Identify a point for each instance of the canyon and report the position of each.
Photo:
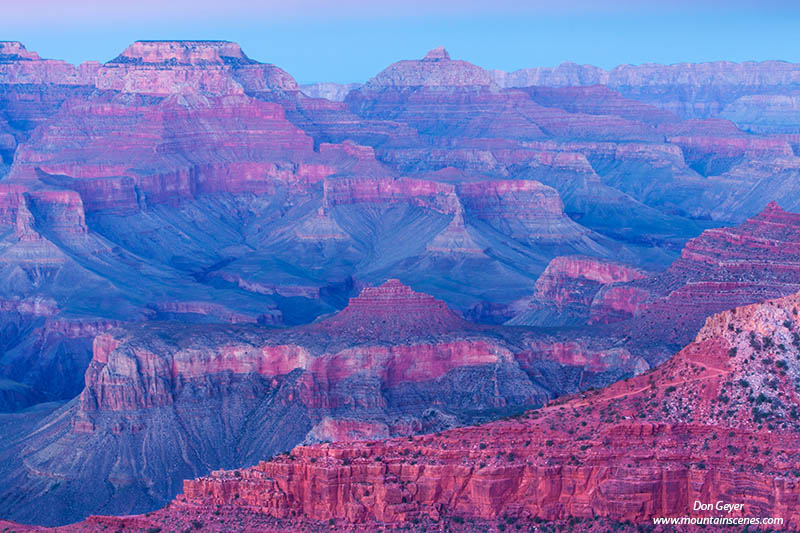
(204, 264)
(651, 445)
(717, 422)
(392, 362)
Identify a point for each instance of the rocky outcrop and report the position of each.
(566, 290)
(720, 269)
(452, 98)
(393, 362)
(18, 65)
(712, 155)
(524, 209)
(766, 113)
(386, 190)
(393, 310)
(184, 181)
(210, 67)
(436, 69)
(114, 167)
(646, 447)
(207, 308)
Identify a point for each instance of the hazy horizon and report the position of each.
(318, 41)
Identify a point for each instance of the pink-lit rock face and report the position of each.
(393, 362)
(436, 69)
(638, 443)
(110, 162)
(210, 67)
(123, 377)
(394, 310)
(524, 209)
(451, 98)
(200, 53)
(332, 429)
(159, 210)
(378, 190)
(720, 269)
(16, 51)
(18, 65)
(510, 199)
(617, 302)
(603, 272)
(568, 289)
(573, 354)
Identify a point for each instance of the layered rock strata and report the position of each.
(718, 422)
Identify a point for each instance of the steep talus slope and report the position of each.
(719, 421)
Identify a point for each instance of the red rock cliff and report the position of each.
(648, 446)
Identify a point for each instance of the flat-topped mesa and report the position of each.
(382, 189)
(391, 310)
(16, 51)
(210, 67)
(436, 69)
(511, 199)
(183, 53)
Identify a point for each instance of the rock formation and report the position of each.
(195, 230)
(565, 292)
(211, 67)
(716, 83)
(393, 362)
(716, 422)
(720, 269)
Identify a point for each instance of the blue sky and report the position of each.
(342, 41)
